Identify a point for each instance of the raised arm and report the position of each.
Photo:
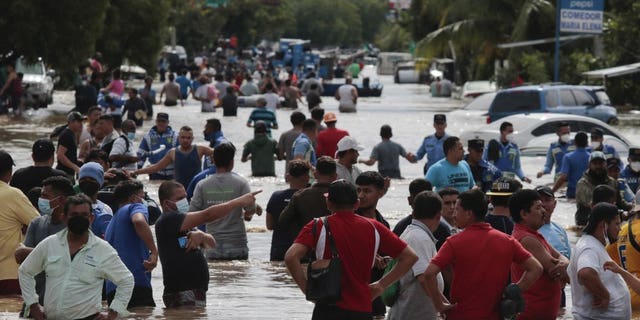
(217, 211)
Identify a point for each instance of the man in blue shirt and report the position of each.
(261, 113)
(484, 173)
(574, 164)
(184, 83)
(631, 172)
(505, 154)
(129, 233)
(451, 171)
(613, 170)
(597, 144)
(558, 149)
(303, 145)
(432, 145)
(155, 144)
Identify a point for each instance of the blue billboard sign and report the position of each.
(581, 16)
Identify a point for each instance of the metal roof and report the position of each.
(613, 72)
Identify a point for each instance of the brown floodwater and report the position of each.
(257, 288)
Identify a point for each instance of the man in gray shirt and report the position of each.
(224, 185)
(285, 143)
(386, 153)
(413, 301)
(55, 191)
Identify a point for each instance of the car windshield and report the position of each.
(481, 103)
(35, 68)
(480, 85)
(603, 97)
(516, 101)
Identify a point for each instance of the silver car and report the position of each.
(37, 83)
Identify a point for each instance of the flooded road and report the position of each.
(257, 288)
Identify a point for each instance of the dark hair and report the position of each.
(371, 178)
(186, 128)
(385, 131)
(268, 86)
(171, 76)
(77, 200)
(601, 212)
(297, 118)
(603, 193)
(42, 150)
(92, 109)
(96, 154)
(298, 168)
(581, 139)
(426, 205)
(218, 77)
(505, 125)
(126, 189)
(449, 143)
(134, 91)
(326, 166)
(522, 200)
(106, 117)
(448, 191)
(418, 185)
(317, 113)
(230, 89)
(287, 82)
(166, 189)
(562, 124)
(309, 125)
(116, 74)
(475, 201)
(223, 154)
(214, 124)
(60, 185)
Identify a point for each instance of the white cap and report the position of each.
(348, 143)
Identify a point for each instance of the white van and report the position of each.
(387, 61)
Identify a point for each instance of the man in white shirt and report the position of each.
(413, 301)
(123, 155)
(596, 293)
(272, 98)
(347, 94)
(76, 263)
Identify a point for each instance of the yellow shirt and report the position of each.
(15, 211)
(630, 257)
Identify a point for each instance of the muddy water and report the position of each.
(257, 288)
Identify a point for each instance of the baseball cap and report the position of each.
(597, 132)
(348, 143)
(476, 144)
(342, 192)
(439, 118)
(613, 162)
(544, 190)
(597, 155)
(162, 116)
(6, 161)
(600, 212)
(504, 187)
(75, 116)
(92, 170)
(42, 149)
(329, 117)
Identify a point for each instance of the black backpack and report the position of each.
(107, 147)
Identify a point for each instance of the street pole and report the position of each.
(556, 59)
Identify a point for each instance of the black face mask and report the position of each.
(78, 225)
(599, 174)
(89, 188)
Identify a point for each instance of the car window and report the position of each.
(545, 128)
(551, 97)
(587, 126)
(516, 101)
(481, 103)
(35, 68)
(583, 98)
(603, 97)
(566, 98)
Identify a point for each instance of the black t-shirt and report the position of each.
(313, 99)
(230, 105)
(181, 270)
(133, 105)
(441, 234)
(27, 178)
(67, 139)
(281, 239)
(502, 223)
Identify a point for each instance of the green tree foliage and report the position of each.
(134, 30)
(62, 32)
(393, 37)
(328, 22)
(253, 20)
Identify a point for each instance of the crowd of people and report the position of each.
(477, 245)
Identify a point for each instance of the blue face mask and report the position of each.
(182, 206)
(131, 136)
(44, 205)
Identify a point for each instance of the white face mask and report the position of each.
(565, 138)
(635, 166)
(510, 137)
(595, 144)
(182, 205)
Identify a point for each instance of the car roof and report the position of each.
(542, 87)
(523, 120)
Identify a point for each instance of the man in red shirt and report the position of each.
(481, 258)
(328, 139)
(542, 300)
(357, 240)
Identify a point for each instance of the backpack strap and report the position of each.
(376, 235)
(332, 244)
(320, 244)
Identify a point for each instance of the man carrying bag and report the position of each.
(355, 241)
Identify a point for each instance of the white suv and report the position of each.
(37, 83)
